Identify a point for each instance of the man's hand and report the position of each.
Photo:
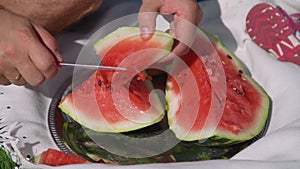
(28, 53)
(187, 15)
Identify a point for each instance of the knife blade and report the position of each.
(86, 66)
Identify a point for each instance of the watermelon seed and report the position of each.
(229, 56)
(240, 91)
(100, 83)
(243, 78)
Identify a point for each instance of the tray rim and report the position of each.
(52, 116)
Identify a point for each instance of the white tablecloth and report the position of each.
(24, 109)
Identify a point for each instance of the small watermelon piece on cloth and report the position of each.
(246, 106)
(112, 101)
(54, 157)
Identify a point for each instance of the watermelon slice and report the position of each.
(110, 101)
(54, 157)
(241, 107)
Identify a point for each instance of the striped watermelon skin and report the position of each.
(77, 139)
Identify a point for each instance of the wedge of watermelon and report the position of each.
(54, 157)
(243, 105)
(110, 101)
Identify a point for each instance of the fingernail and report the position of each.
(146, 32)
(58, 56)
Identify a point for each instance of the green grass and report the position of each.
(5, 160)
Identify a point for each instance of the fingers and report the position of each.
(28, 53)
(184, 32)
(188, 10)
(40, 58)
(31, 74)
(184, 25)
(48, 40)
(186, 16)
(12, 77)
(147, 17)
(4, 81)
(27, 73)
(27, 59)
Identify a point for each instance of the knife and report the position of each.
(85, 66)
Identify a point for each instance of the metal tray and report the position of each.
(56, 118)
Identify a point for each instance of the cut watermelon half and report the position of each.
(111, 101)
(242, 113)
(214, 107)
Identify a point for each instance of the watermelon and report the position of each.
(213, 107)
(111, 101)
(230, 108)
(54, 157)
(78, 139)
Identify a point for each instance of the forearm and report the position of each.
(54, 15)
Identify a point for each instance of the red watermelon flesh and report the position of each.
(54, 157)
(112, 101)
(245, 107)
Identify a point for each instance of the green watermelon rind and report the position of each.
(104, 44)
(114, 37)
(182, 152)
(264, 117)
(220, 138)
(67, 108)
(103, 126)
(220, 44)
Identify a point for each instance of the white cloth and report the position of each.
(24, 109)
